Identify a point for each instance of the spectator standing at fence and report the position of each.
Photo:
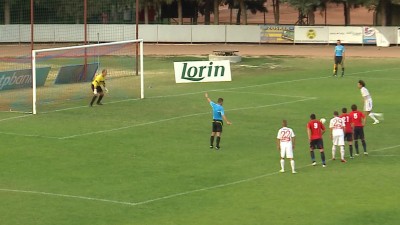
(104, 17)
(127, 14)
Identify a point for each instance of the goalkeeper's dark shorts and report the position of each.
(338, 59)
(99, 89)
(217, 125)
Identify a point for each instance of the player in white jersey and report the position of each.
(368, 102)
(285, 143)
(337, 126)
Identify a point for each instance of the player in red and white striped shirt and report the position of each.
(285, 142)
(337, 126)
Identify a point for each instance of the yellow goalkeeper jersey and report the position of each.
(99, 80)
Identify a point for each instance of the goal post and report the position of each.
(70, 70)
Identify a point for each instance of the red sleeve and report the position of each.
(322, 126)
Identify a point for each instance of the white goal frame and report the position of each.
(34, 53)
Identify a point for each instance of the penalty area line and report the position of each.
(66, 196)
(15, 117)
(383, 149)
(268, 94)
(174, 118)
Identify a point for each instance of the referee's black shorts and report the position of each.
(338, 59)
(217, 125)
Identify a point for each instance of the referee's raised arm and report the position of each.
(208, 99)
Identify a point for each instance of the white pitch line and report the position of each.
(15, 117)
(174, 118)
(255, 93)
(164, 197)
(383, 149)
(87, 106)
(275, 104)
(28, 135)
(66, 196)
(371, 71)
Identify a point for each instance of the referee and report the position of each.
(218, 115)
(338, 58)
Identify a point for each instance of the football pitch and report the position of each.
(148, 162)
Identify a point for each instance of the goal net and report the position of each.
(61, 77)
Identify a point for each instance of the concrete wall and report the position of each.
(174, 33)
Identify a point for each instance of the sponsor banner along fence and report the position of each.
(369, 35)
(310, 34)
(277, 34)
(398, 35)
(22, 78)
(202, 71)
(327, 34)
(349, 35)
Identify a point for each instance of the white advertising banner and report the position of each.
(381, 40)
(398, 35)
(347, 35)
(308, 34)
(369, 35)
(202, 71)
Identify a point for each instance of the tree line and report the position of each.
(119, 11)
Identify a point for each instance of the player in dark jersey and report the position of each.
(357, 119)
(315, 130)
(348, 130)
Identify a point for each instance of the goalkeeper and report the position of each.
(96, 87)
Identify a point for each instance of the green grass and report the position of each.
(147, 162)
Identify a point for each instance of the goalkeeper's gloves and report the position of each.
(95, 91)
(106, 89)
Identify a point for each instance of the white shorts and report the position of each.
(368, 105)
(287, 150)
(338, 140)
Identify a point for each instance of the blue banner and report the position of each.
(15, 79)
